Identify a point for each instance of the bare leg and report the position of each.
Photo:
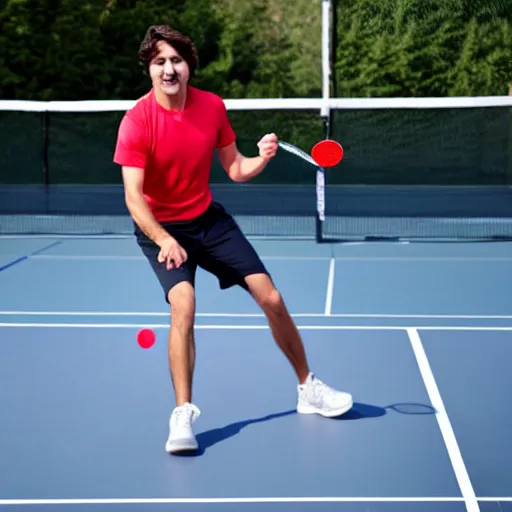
(283, 328)
(181, 344)
(314, 397)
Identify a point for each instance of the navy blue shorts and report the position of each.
(214, 242)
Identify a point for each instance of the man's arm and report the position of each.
(133, 179)
(241, 168)
(171, 253)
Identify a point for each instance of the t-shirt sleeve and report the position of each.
(130, 150)
(226, 133)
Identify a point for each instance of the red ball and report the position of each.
(146, 338)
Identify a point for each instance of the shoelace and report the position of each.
(321, 390)
(185, 414)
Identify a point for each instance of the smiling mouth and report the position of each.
(173, 80)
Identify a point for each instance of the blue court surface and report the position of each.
(420, 334)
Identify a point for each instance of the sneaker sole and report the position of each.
(308, 409)
(181, 445)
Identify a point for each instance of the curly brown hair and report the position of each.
(181, 43)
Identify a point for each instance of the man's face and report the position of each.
(169, 72)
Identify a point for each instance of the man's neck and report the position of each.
(176, 103)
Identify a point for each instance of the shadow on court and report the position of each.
(362, 411)
(210, 438)
(359, 411)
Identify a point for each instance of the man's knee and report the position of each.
(266, 294)
(273, 301)
(182, 300)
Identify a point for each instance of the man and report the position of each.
(165, 147)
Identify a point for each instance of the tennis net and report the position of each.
(413, 168)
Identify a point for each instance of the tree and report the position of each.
(424, 48)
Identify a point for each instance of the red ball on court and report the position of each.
(146, 338)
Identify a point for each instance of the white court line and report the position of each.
(255, 327)
(108, 257)
(330, 288)
(424, 258)
(320, 499)
(444, 422)
(254, 315)
(284, 258)
(109, 237)
(128, 501)
(66, 237)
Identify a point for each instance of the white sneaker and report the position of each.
(181, 437)
(315, 397)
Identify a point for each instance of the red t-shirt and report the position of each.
(175, 151)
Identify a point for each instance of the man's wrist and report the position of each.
(161, 238)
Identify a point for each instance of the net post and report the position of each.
(326, 55)
(46, 167)
(320, 204)
(334, 48)
(324, 113)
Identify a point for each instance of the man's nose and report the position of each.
(168, 68)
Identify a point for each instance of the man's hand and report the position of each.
(241, 168)
(268, 146)
(171, 253)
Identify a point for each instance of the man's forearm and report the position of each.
(144, 218)
(247, 168)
